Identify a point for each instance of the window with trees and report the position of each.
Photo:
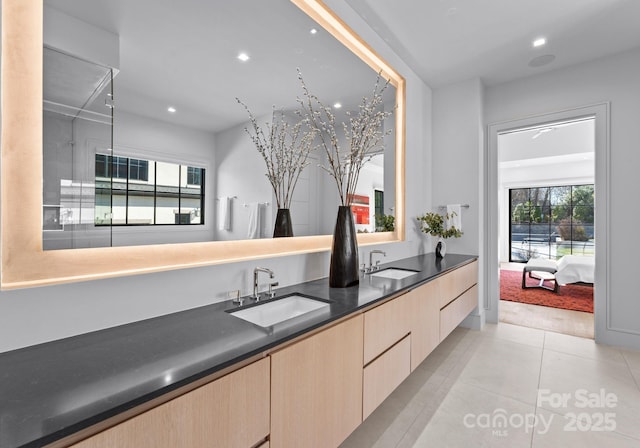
(551, 222)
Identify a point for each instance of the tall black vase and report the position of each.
(343, 270)
(283, 227)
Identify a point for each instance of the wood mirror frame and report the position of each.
(26, 264)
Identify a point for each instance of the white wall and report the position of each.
(457, 166)
(616, 80)
(31, 316)
(147, 138)
(240, 172)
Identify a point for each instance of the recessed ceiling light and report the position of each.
(244, 57)
(337, 105)
(313, 31)
(171, 109)
(539, 42)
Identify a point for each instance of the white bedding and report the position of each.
(575, 268)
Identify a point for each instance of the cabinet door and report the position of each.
(232, 411)
(458, 281)
(385, 325)
(425, 321)
(316, 388)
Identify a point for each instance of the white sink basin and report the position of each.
(271, 313)
(393, 273)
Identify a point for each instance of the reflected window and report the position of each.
(138, 169)
(194, 175)
(145, 192)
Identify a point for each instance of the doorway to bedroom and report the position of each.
(546, 191)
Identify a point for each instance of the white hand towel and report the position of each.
(224, 213)
(255, 221)
(454, 213)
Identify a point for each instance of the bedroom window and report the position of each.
(550, 222)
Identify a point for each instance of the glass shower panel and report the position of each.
(77, 126)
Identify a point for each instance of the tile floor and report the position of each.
(478, 387)
(576, 323)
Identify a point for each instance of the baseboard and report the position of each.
(474, 321)
(617, 338)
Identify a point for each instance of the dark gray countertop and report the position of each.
(52, 390)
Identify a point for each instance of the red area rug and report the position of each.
(570, 297)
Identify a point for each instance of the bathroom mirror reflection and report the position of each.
(144, 141)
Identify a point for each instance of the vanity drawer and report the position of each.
(232, 411)
(384, 326)
(383, 375)
(456, 311)
(455, 283)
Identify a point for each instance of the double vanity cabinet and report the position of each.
(312, 391)
(206, 378)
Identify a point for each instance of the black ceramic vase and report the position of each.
(283, 227)
(343, 270)
(441, 249)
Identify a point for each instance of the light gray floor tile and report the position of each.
(569, 433)
(633, 361)
(581, 379)
(388, 424)
(514, 333)
(505, 368)
(586, 348)
(466, 418)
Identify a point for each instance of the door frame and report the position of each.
(601, 113)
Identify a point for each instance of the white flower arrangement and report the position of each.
(363, 133)
(285, 148)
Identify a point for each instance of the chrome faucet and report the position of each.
(376, 251)
(256, 271)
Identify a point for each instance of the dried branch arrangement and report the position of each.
(285, 148)
(363, 133)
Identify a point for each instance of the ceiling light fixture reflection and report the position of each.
(539, 42)
(244, 57)
(171, 109)
(313, 31)
(337, 105)
(542, 131)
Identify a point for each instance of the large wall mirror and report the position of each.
(129, 111)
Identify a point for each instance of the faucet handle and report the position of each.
(235, 295)
(272, 293)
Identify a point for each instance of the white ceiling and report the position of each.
(447, 41)
(444, 41)
(183, 54)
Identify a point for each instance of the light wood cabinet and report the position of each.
(232, 411)
(456, 311)
(314, 392)
(384, 374)
(425, 320)
(385, 325)
(458, 281)
(316, 388)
